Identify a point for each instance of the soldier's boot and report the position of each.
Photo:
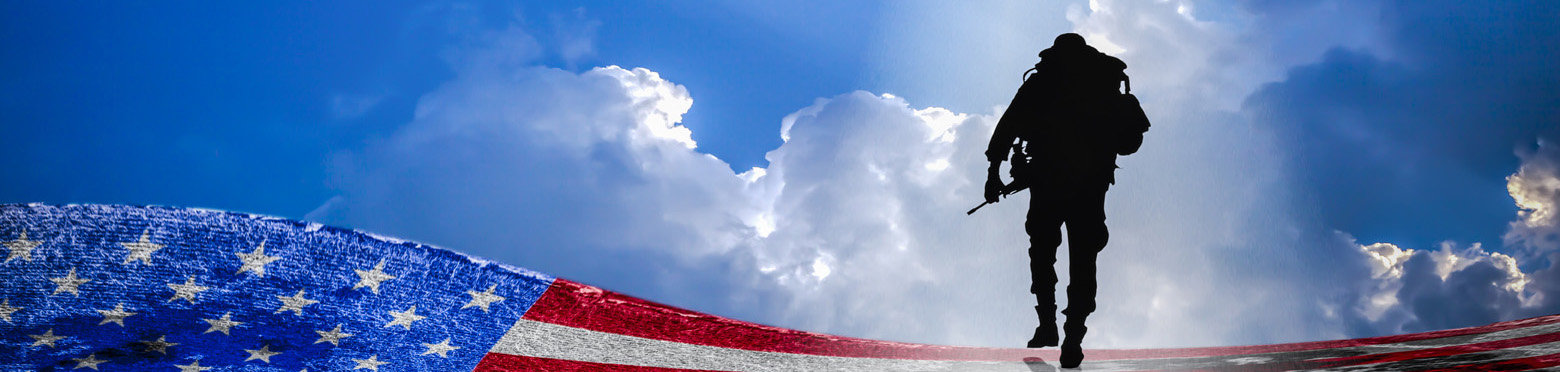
(1046, 333)
(1072, 346)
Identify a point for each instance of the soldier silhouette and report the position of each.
(1063, 131)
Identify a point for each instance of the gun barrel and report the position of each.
(972, 210)
(1009, 189)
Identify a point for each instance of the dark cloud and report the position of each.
(1453, 287)
(1546, 284)
(1411, 142)
(1465, 298)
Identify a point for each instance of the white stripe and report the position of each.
(1457, 340)
(546, 340)
(1491, 356)
(1256, 360)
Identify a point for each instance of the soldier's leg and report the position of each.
(1044, 226)
(1045, 234)
(1086, 237)
(1085, 241)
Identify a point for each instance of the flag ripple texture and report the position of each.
(147, 288)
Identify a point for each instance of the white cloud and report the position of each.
(1387, 269)
(658, 104)
(1536, 189)
(1437, 277)
(1208, 189)
(857, 227)
(597, 152)
(1386, 260)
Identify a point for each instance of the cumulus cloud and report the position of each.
(856, 227)
(1451, 287)
(1360, 140)
(1388, 131)
(1457, 286)
(573, 173)
(1536, 188)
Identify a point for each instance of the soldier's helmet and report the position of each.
(1069, 40)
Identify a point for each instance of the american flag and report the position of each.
(126, 288)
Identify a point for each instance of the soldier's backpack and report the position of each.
(1128, 119)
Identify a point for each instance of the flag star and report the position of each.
(160, 345)
(405, 318)
(91, 361)
(255, 261)
(186, 291)
(294, 303)
(372, 363)
(372, 278)
(47, 338)
(442, 348)
(6, 310)
(263, 354)
(116, 316)
(21, 247)
(70, 283)
(222, 325)
(192, 367)
(142, 250)
(333, 336)
(482, 299)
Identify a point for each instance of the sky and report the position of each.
(1315, 170)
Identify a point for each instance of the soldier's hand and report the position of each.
(993, 189)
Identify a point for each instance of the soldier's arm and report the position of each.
(1018, 113)
(1001, 143)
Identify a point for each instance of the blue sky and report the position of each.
(255, 88)
(1290, 138)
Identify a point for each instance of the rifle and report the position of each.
(1020, 160)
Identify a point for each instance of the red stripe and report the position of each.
(1439, 352)
(495, 362)
(577, 305)
(581, 306)
(1520, 364)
